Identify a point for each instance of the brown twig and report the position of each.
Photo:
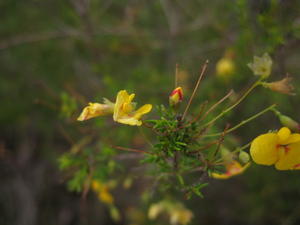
(130, 149)
(221, 139)
(216, 104)
(195, 89)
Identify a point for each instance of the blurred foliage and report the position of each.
(56, 56)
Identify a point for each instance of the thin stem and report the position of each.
(216, 104)
(243, 147)
(235, 104)
(130, 149)
(145, 137)
(176, 75)
(195, 89)
(243, 122)
(221, 139)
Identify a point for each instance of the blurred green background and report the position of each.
(56, 56)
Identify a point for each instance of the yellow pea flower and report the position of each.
(96, 109)
(176, 96)
(232, 169)
(124, 110)
(281, 148)
(103, 192)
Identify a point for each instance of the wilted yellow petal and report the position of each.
(94, 110)
(263, 149)
(232, 169)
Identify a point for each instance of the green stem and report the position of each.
(258, 82)
(243, 122)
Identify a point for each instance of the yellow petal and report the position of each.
(232, 169)
(122, 96)
(290, 159)
(129, 121)
(283, 135)
(220, 176)
(142, 110)
(263, 149)
(96, 185)
(293, 138)
(94, 110)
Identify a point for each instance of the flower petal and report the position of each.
(94, 110)
(263, 149)
(122, 97)
(142, 110)
(232, 169)
(293, 138)
(283, 135)
(290, 159)
(129, 121)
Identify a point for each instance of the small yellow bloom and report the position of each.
(124, 110)
(181, 216)
(225, 67)
(105, 196)
(177, 212)
(281, 148)
(176, 96)
(283, 86)
(96, 109)
(103, 192)
(232, 169)
(261, 66)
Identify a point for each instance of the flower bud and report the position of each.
(289, 123)
(244, 157)
(226, 155)
(176, 96)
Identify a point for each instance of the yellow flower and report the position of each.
(225, 67)
(180, 216)
(96, 109)
(232, 169)
(124, 110)
(103, 192)
(176, 96)
(177, 212)
(281, 148)
(261, 66)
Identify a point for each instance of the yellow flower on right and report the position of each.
(281, 149)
